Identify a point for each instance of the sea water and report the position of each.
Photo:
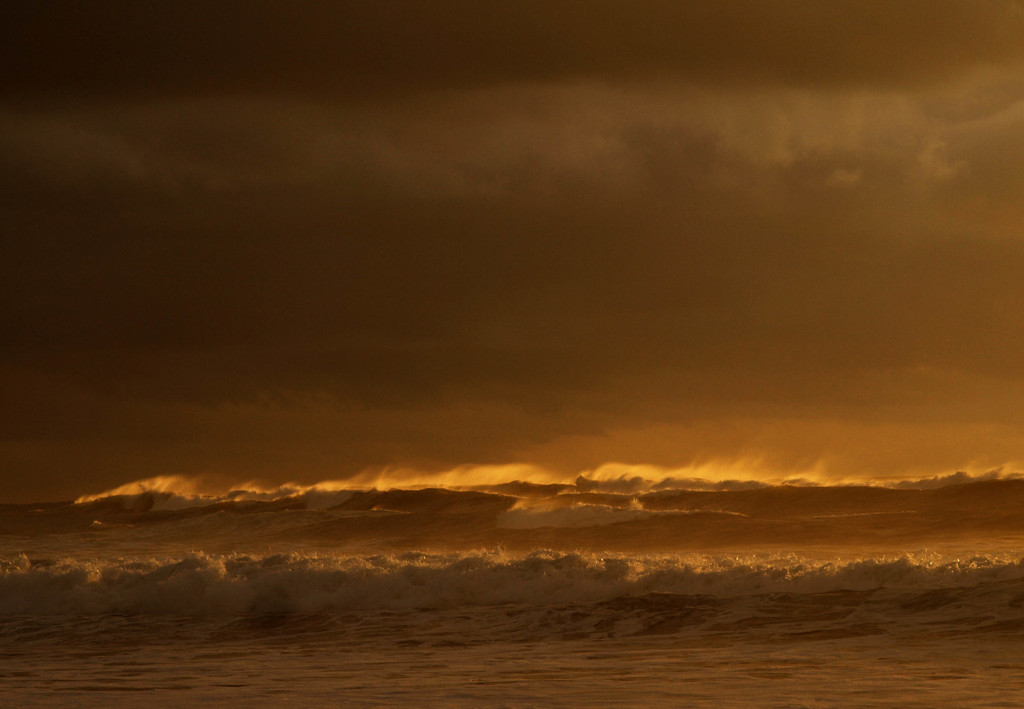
(517, 595)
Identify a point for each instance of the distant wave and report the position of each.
(175, 493)
(179, 492)
(523, 516)
(523, 505)
(203, 585)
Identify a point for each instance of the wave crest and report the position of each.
(176, 492)
(205, 585)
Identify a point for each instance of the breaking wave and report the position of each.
(522, 516)
(179, 492)
(214, 585)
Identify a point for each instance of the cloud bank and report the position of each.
(349, 237)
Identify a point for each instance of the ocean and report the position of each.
(592, 593)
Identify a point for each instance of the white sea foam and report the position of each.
(527, 516)
(202, 584)
(579, 515)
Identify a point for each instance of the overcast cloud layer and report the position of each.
(293, 241)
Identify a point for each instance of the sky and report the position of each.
(306, 240)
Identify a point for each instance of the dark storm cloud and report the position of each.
(352, 48)
(775, 246)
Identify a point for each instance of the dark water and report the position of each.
(518, 595)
